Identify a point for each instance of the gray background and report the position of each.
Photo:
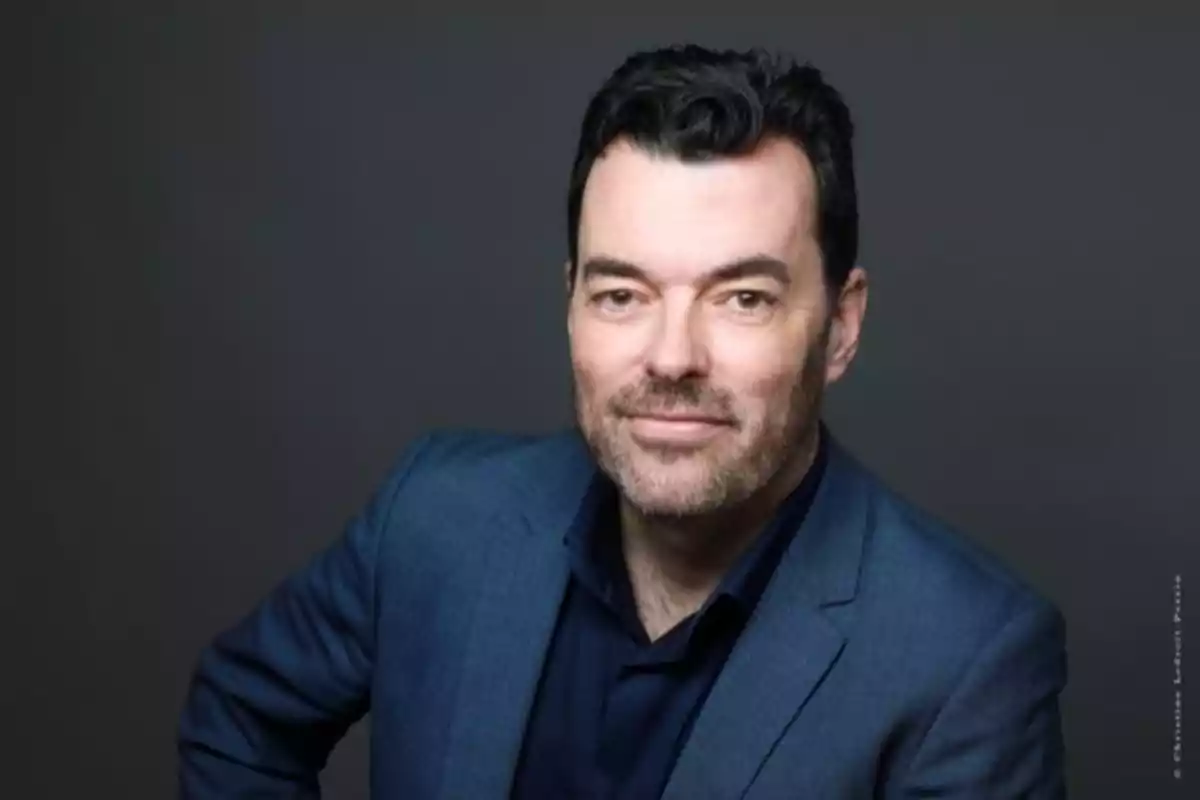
(266, 250)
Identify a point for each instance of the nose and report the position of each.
(677, 350)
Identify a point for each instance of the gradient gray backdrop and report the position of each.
(267, 250)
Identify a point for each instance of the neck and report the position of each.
(687, 556)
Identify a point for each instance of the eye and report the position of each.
(750, 301)
(613, 300)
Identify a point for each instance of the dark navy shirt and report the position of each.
(613, 709)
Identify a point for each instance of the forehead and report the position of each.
(675, 218)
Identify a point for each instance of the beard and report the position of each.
(685, 480)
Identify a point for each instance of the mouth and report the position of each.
(660, 429)
(683, 416)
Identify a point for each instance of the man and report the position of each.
(697, 594)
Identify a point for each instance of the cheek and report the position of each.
(759, 371)
(597, 371)
(601, 354)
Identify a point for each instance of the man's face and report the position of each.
(696, 379)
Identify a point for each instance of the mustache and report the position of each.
(658, 396)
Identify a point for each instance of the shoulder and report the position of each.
(926, 583)
(451, 494)
(947, 638)
(462, 482)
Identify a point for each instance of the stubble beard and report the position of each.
(679, 482)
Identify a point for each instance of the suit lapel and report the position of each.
(518, 605)
(785, 650)
(766, 680)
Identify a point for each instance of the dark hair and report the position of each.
(697, 104)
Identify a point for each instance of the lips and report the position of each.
(697, 418)
(675, 429)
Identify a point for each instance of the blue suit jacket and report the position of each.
(888, 657)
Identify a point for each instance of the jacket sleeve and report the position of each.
(999, 735)
(271, 696)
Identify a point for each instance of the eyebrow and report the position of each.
(755, 266)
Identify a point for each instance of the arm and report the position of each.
(271, 696)
(999, 735)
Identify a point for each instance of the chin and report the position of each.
(684, 490)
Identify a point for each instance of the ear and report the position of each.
(845, 326)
